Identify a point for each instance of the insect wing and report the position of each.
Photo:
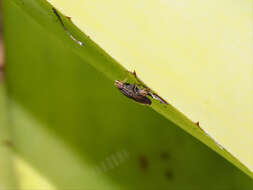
(127, 90)
(158, 98)
(141, 99)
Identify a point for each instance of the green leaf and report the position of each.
(7, 174)
(199, 60)
(73, 129)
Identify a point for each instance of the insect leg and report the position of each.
(139, 81)
(125, 80)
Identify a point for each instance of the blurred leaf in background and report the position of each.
(7, 173)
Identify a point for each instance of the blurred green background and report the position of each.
(74, 128)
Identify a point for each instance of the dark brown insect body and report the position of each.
(136, 93)
(133, 91)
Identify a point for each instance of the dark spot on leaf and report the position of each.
(165, 156)
(169, 175)
(143, 162)
(7, 143)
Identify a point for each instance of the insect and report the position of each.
(64, 27)
(133, 91)
(137, 93)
